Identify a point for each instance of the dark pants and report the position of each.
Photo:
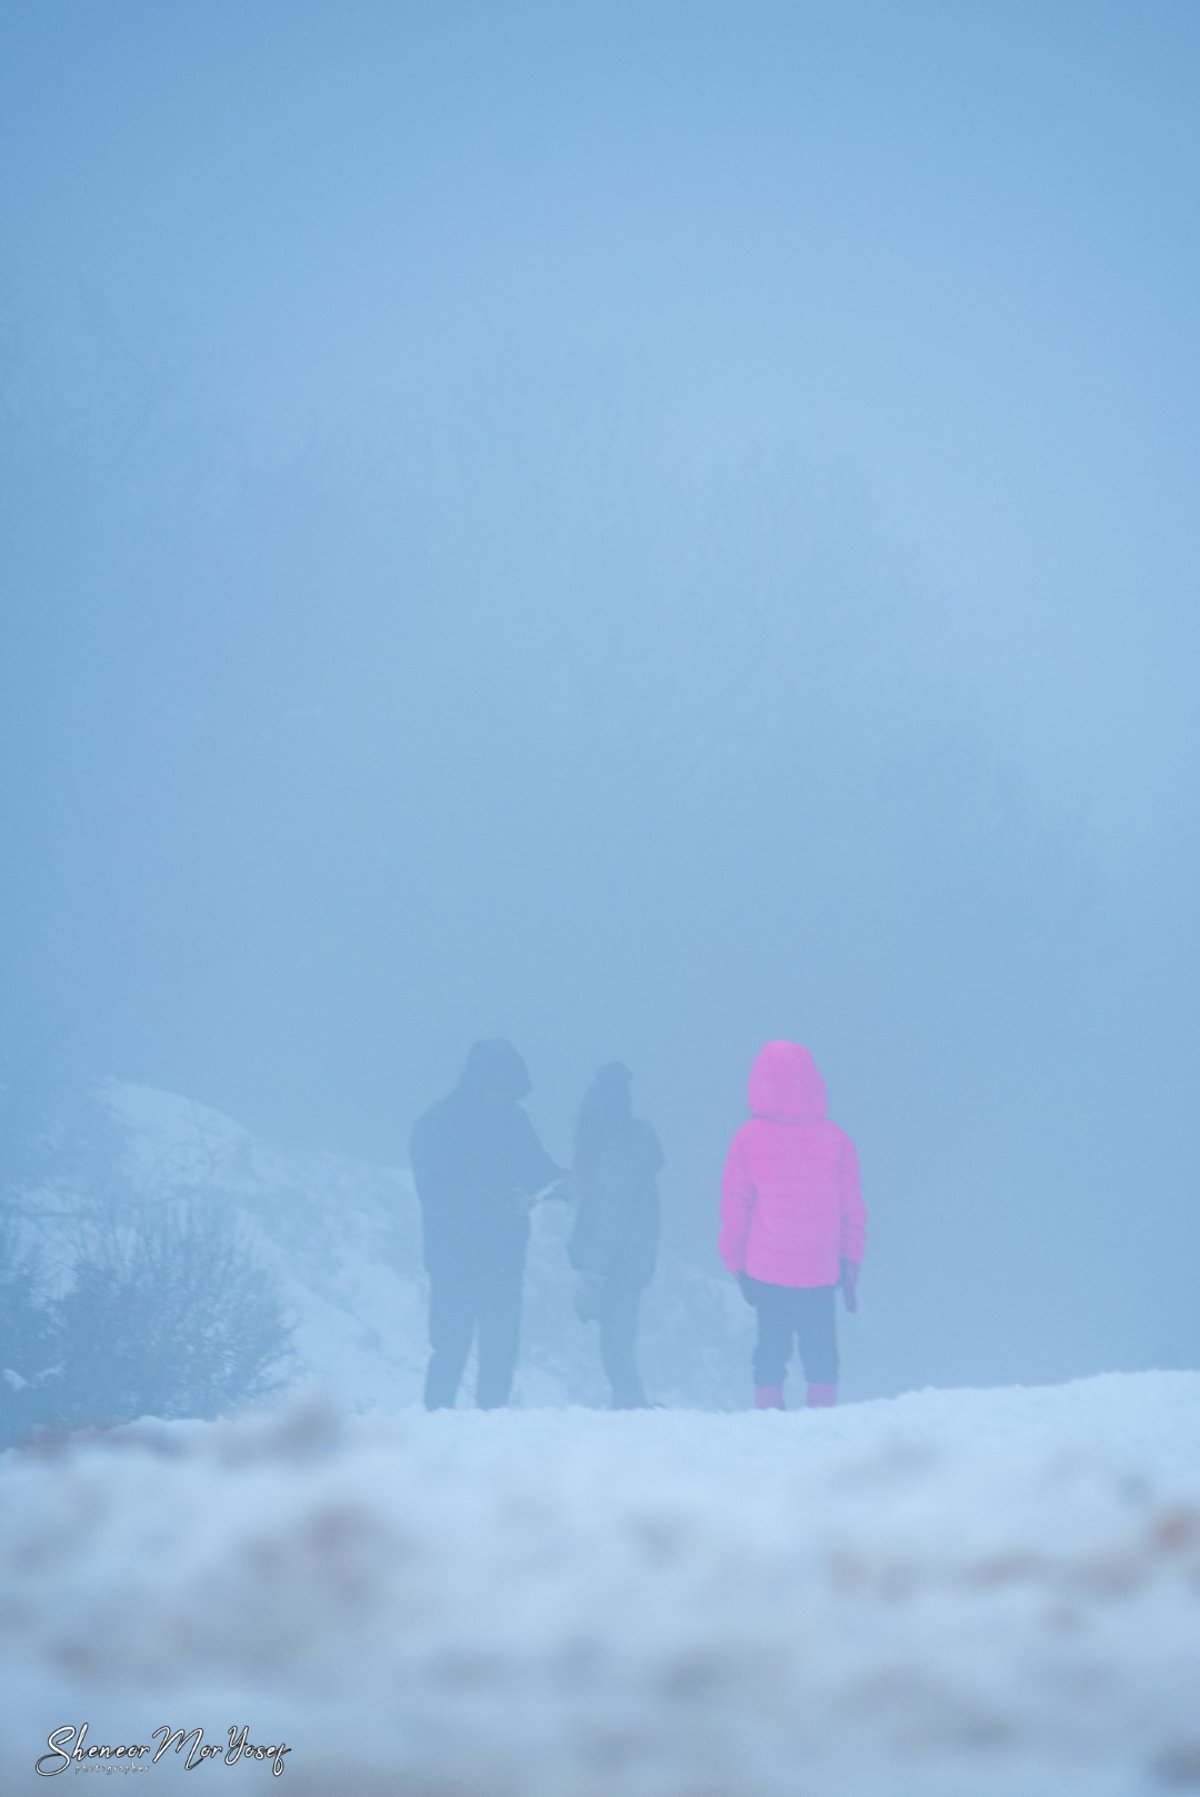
(477, 1298)
(804, 1314)
(617, 1314)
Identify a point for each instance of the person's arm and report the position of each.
(853, 1221)
(533, 1169)
(581, 1244)
(737, 1208)
(616, 1198)
(429, 1180)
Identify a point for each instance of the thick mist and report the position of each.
(639, 530)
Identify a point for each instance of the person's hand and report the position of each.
(747, 1288)
(850, 1285)
(558, 1188)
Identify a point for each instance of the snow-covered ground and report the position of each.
(949, 1594)
(341, 1240)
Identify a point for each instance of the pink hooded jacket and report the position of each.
(791, 1209)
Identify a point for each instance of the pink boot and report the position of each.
(822, 1397)
(769, 1397)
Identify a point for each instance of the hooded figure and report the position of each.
(477, 1165)
(793, 1227)
(614, 1242)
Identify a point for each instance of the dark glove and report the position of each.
(749, 1288)
(850, 1285)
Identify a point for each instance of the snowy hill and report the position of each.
(341, 1241)
(340, 1238)
(951, 1594)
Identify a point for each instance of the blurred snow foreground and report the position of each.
(953, 1592)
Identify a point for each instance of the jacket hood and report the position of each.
(785, 1084)
(495, 1068)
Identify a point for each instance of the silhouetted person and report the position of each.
(477, 1165)
(614, 1243)
(793, 1225)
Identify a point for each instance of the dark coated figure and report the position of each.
(614, 1242)
(478, 1166)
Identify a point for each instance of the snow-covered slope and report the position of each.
(341, 1238)
(952, 1594)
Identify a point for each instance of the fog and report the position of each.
(639, 530)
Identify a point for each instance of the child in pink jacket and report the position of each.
(793, 1225)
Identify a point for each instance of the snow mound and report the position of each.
(951, 1594)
